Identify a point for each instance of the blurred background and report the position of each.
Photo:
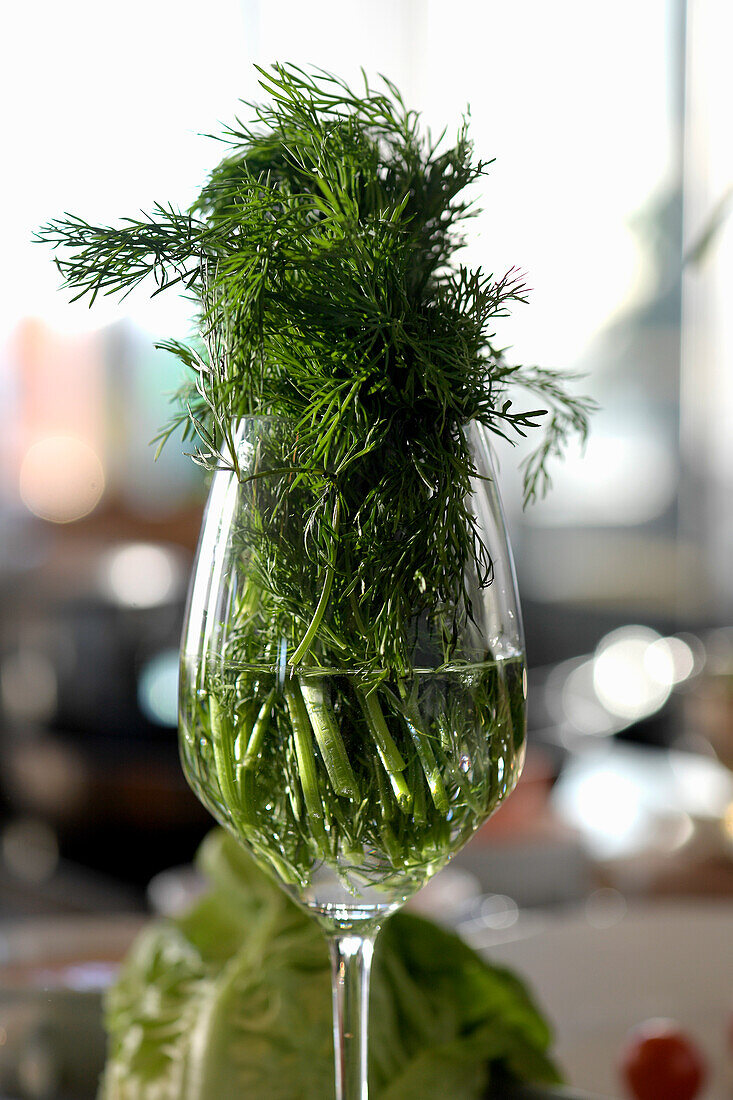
(613, 175)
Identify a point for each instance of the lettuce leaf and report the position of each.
(232, 1001)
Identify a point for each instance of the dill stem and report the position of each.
(391, 845)
(386, 804)
(352, 848)
(250, 598)
(247, 798)
(259, 729)
(389, 754)
(384, 826)
(458, 777)
(306, 763)
(446, 739)
(419, 808)
(283, 868)
(238, 799)
(322, 604)
(222, 740)
(425, 753)
(330, 741)
(294, 790)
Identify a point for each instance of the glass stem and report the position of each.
(351, 963)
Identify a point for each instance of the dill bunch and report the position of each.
(322, 254)
(345, 714)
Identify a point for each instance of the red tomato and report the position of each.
(660, 1062)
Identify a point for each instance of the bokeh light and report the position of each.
(61, 479)
(627, 682)
(140, 574)
(157, 690)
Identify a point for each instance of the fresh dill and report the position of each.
(321, 251)
(322, 255)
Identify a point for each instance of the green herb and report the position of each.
(322, 255)
(232, 1000)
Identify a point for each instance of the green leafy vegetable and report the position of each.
(232, 1001)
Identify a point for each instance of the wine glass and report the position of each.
(352, 781)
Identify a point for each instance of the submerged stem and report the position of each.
(425, 753)
(389, 754)
(329, 739)
(306, 764)
(259, 729)
(222, 740)
(238, 797)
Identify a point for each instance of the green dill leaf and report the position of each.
(322, 254)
